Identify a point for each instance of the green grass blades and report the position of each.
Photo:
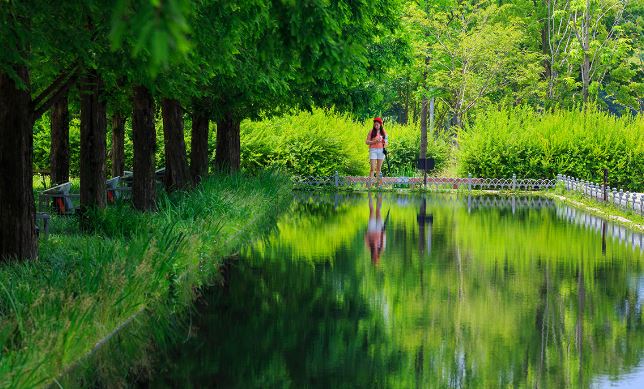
(55, 309)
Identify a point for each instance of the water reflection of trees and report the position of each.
(277, 326)
(502, 299)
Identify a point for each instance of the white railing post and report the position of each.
(514, 181)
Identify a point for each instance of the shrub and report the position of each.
(507, 141)
(323, 141)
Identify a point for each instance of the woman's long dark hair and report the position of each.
(374, 132)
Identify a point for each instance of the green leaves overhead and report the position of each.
(159, 28)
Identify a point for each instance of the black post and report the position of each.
(605, 185)
(604, 237)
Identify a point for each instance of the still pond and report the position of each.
(411, 291)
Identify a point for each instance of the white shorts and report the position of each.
(376, 154)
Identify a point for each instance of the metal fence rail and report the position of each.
(627, 200)
(437, 183)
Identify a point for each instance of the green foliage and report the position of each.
(42, 145)
(83, 286)
(404, 147)
(507, 141)
(324, 141)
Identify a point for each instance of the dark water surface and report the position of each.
(480, 292)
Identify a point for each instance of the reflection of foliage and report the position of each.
(498, 300)
(286, 327)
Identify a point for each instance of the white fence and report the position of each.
(627, 200)
(436, 183)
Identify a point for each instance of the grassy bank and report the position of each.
(55, 309)
(610, 211)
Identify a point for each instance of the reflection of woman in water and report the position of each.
(375, 236)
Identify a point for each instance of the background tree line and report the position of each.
(458, 56)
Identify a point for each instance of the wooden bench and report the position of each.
(44, 218)
(60, 198)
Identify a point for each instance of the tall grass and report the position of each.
(322, 141)
(507, 141)
(53, 310)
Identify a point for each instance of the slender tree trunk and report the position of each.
(17, 211)
(548, 55)
(585, 76)
(92, 146)
(545, 42)
(199, 145)
(585, 66)
(423, 114)
(423, 128)
(59, 152)
(143, 186)
(431, 115)
(177, 173)
(227, 157)
(406, 108)
(118, 145)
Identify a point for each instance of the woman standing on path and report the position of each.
(377, 140)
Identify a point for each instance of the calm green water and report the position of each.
(432, 292)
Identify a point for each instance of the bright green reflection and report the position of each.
(410, 291)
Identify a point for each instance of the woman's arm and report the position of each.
(367, 141)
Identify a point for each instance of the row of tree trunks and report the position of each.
(59, 152)
(177, 173)
(92, 143)
(144, 139)
(16, 171)
(227, 157)
(199, 145)
(17, 210)
(118, 145)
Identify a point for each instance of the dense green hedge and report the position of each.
(502, 142)
(323, 141)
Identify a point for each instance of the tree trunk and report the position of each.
(177, 173)
(59, 152)
(93, 129)
(199, 145)
(423, 128)
(585, 76)
(545, 42)
(143, 186)
(406, 108)
(585, 66)
(118, 145)
(227, 157)
(17, 211)
(431, 115)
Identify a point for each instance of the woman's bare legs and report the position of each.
(372, 170)
(378, 168)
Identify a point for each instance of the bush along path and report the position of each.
(57, 308)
